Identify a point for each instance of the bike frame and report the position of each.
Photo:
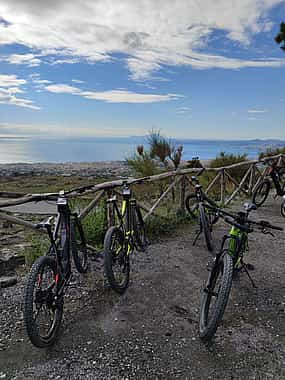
(63, 221)
(125, 217)
(274, 175)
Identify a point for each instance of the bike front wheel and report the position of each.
(283, 209)
(116, 260)
(216, 295)
(260, 194)
(42, 307)
(78, 247)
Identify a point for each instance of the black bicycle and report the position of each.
(51, 273)
(197, 205)
(277, 176)
(121, 240)
(228, 260)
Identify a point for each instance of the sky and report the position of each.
(190, 68)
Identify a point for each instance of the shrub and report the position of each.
(143, 164)
(271, 152)
(39, 245)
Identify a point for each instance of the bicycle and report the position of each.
(227, 261)
(121, 240)
(197, 205)
(51, 273)
(261, 192)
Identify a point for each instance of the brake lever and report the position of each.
(266, 232)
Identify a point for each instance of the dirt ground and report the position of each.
(151, 332)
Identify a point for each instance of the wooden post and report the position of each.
(160, 199)
(91, 205)
(110, 211)
(251, 179)
(212, 183)
(239, 188)
(223, 185)
(182, 193)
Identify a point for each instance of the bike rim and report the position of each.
(44, 310)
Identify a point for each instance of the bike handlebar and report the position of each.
(243, 227)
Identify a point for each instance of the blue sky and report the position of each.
(193, 69)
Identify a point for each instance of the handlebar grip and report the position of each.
(240, 226)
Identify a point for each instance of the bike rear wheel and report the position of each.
(78, 247)
(192, 206)
(116, 260)
(42, 308)
(216, 295)
(260, 194)
(206, 227)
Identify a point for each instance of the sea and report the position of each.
(31, 150)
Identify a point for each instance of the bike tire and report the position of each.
(210, 318)
(206, 227)
(33, 296)
(114, 255)
(283, 209)
(139, 229)
(78, 247)
(192, 206)
(260, 194)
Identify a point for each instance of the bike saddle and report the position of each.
(249, 206)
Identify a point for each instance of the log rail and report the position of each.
(179, 179)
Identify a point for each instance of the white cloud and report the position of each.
(111, 96)
(23, 59)
(62, 89)
(149, 34)
(77, 81)
(10, 81)
(254, 110)
(183, 110)
(9, 86)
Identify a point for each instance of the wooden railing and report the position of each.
(220, 178)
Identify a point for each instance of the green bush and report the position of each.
(143, 164)
(39, 245)
(271, 152)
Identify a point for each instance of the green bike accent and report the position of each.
(233, 242)
(124, 207)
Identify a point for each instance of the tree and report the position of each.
(280, 38)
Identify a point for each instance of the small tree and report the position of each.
(142, 163)
(159, 147)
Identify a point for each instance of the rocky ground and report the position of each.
(151, 332)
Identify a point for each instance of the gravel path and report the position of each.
(150, 332)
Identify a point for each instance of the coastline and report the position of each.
(67, 169)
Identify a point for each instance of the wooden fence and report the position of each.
(221, 178)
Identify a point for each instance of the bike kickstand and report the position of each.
(248, 275)
(197, 236)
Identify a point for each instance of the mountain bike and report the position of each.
(121, 240)
(276, 174)
(51, 273)
(197, 207)
(227, 261)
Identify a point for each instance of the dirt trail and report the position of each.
(151, 331)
